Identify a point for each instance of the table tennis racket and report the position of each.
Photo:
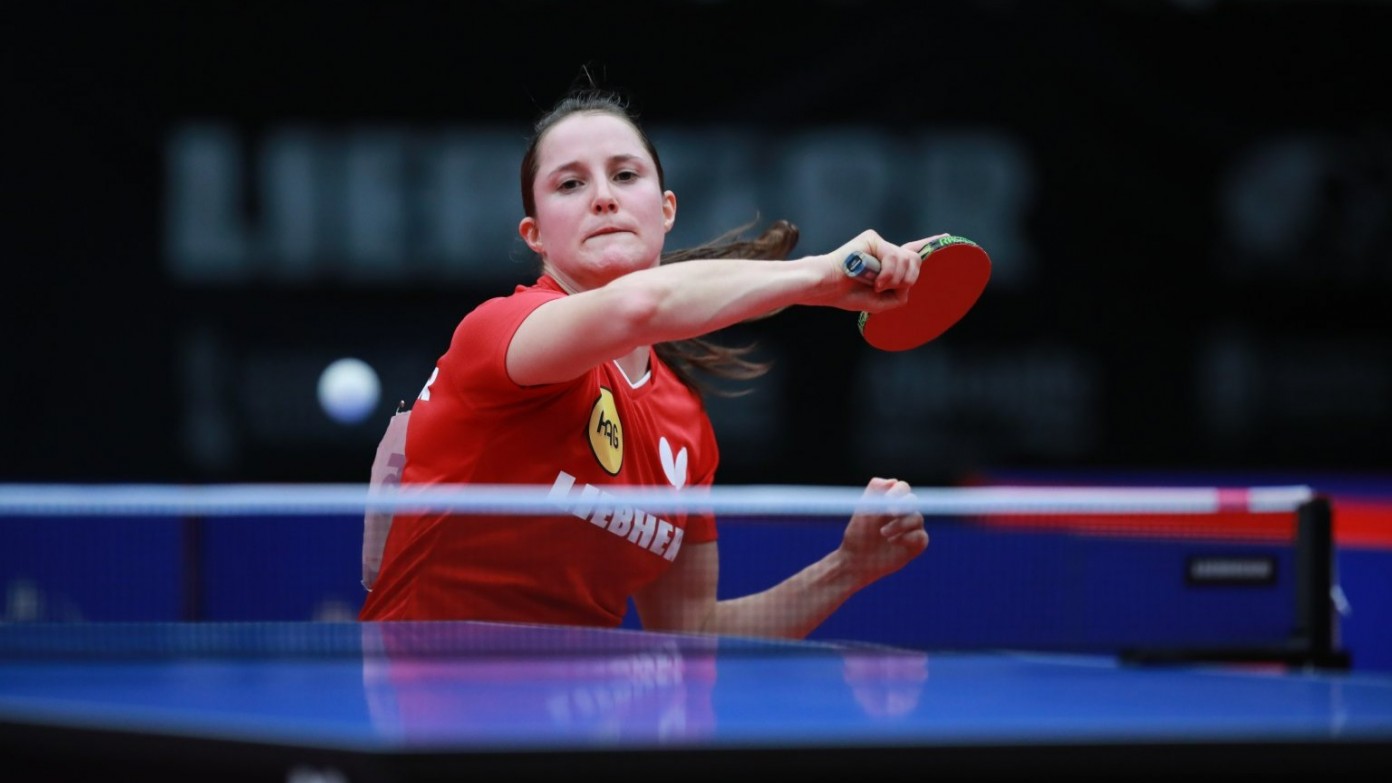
(950, 280)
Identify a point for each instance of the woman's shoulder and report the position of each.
(494, 320)
(525, 297)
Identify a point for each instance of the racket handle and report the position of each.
(861, 265)
(865, 267)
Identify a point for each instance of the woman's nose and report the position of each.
(604, 200)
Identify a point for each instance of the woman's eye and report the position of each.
(569, 184)
(625, 176)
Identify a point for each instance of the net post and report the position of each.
(1315, 630)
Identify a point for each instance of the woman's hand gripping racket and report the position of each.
(950, 280)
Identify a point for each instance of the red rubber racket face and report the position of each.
(953, 275)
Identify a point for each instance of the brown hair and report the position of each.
(698, 359)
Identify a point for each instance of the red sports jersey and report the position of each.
(473, 424)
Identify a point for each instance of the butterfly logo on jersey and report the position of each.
(672, 465)
(606, 433)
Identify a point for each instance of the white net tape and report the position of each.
(749, 500)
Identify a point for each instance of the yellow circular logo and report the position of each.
(606, 433)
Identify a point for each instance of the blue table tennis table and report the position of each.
(337, 702)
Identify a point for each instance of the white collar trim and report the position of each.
(631, 383)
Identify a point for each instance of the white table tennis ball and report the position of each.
(348, 390)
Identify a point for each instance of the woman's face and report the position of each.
(600, 209)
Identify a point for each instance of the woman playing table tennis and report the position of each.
(591, 378)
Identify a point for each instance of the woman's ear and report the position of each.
(528, 231)
(669, 210)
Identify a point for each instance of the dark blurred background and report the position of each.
(1188, 206)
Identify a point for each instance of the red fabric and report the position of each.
(472, 424)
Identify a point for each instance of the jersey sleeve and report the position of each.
(477, 357)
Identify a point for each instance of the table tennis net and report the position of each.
(1153, 573)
